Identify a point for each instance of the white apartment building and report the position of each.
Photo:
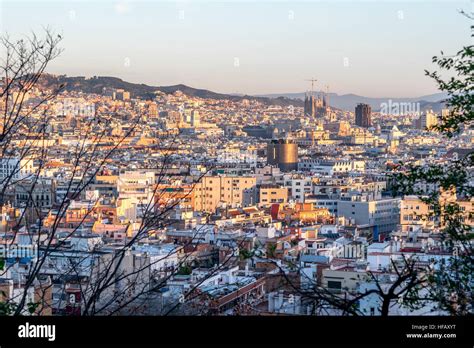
(297, 186)
(330, 167)
(15, 168)
(382, 213)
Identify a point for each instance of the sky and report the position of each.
(370, 48)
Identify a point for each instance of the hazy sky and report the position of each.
(371, 48)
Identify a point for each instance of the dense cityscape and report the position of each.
(223, 207)
(198, 171)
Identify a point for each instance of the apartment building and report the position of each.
(381, 213)
(297, 185)
(330, 167)
(214, 191)
(15, 168)
(269, 194)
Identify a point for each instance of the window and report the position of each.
(334, 285)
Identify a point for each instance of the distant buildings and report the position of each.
(122, 95)
(330, 167)
(381, 213)
(363, 115)
(116, 94)
(215, 191)
(216, 204)
(195, 118)
(310, 104)
(283, 153)
(427, 120)
(271, 194)
(315, 107)
(15, 168)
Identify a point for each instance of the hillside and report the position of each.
(97, 83)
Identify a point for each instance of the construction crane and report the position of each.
(313, 80)
(327, 95)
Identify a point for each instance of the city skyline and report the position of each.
(266, 161)
(259, 48)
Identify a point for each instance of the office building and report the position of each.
(363, 115)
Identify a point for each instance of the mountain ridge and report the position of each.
(347, 101)
(96, 84)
